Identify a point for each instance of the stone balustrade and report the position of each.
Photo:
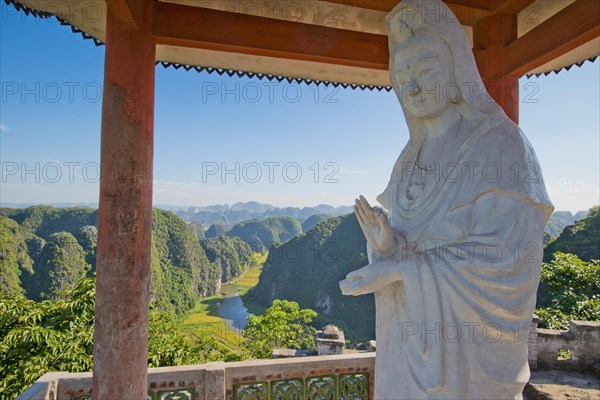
(346, 376)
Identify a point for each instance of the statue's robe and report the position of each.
(456, 326)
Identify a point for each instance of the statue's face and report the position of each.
(423, 80)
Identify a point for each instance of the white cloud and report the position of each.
(573, 196)
(4, 128)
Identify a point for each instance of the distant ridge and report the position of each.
(238, 212)
(229, 215)
(56, 205)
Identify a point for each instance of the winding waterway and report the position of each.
(232, 308)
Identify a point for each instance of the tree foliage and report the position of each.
(283, 325)
(569, 290)
(167, 346)
(40, 337)
(36, 338)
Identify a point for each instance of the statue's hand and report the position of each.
(375, 226)
(370, 279)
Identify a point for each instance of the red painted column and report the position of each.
(125, 211)
(492, 34)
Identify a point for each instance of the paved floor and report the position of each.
(562, 385)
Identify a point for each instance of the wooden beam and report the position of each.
(488, 5)
(466, 15)
(570, 28)
(377, 5)
(126, 12)
(490, 37)
(196, 27)
(387, 5)
(513, 6)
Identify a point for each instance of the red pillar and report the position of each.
(492, 34)
(125, 211)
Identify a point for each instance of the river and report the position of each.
(232, 308)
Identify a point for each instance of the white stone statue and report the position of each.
(455, 268)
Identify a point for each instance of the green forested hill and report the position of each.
(307, 270)
(230, 255)
(198, 229)
(45, 250)
(43, 221)
(239, 212)
(260, 234)
(14, 256)
(59, 266)
(312, 221)
(216, 230)
(558, 221)
(181, 272)
(581, 239)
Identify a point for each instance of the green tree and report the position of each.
(569, 290)
(283, 325)
(36, 338)
(167, 346)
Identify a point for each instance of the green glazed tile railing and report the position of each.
(251, 391)
(172, 394)
(353, 386)
(291, 389)
(327, 387)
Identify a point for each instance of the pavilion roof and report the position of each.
(342, 42)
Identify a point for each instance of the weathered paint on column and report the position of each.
(125, 212)
(492, 34)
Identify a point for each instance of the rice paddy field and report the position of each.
(204, 318)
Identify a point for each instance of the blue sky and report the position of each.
(342, 142)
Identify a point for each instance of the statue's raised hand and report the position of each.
(370, 278)
(375, 226)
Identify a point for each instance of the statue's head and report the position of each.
(431, 62)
